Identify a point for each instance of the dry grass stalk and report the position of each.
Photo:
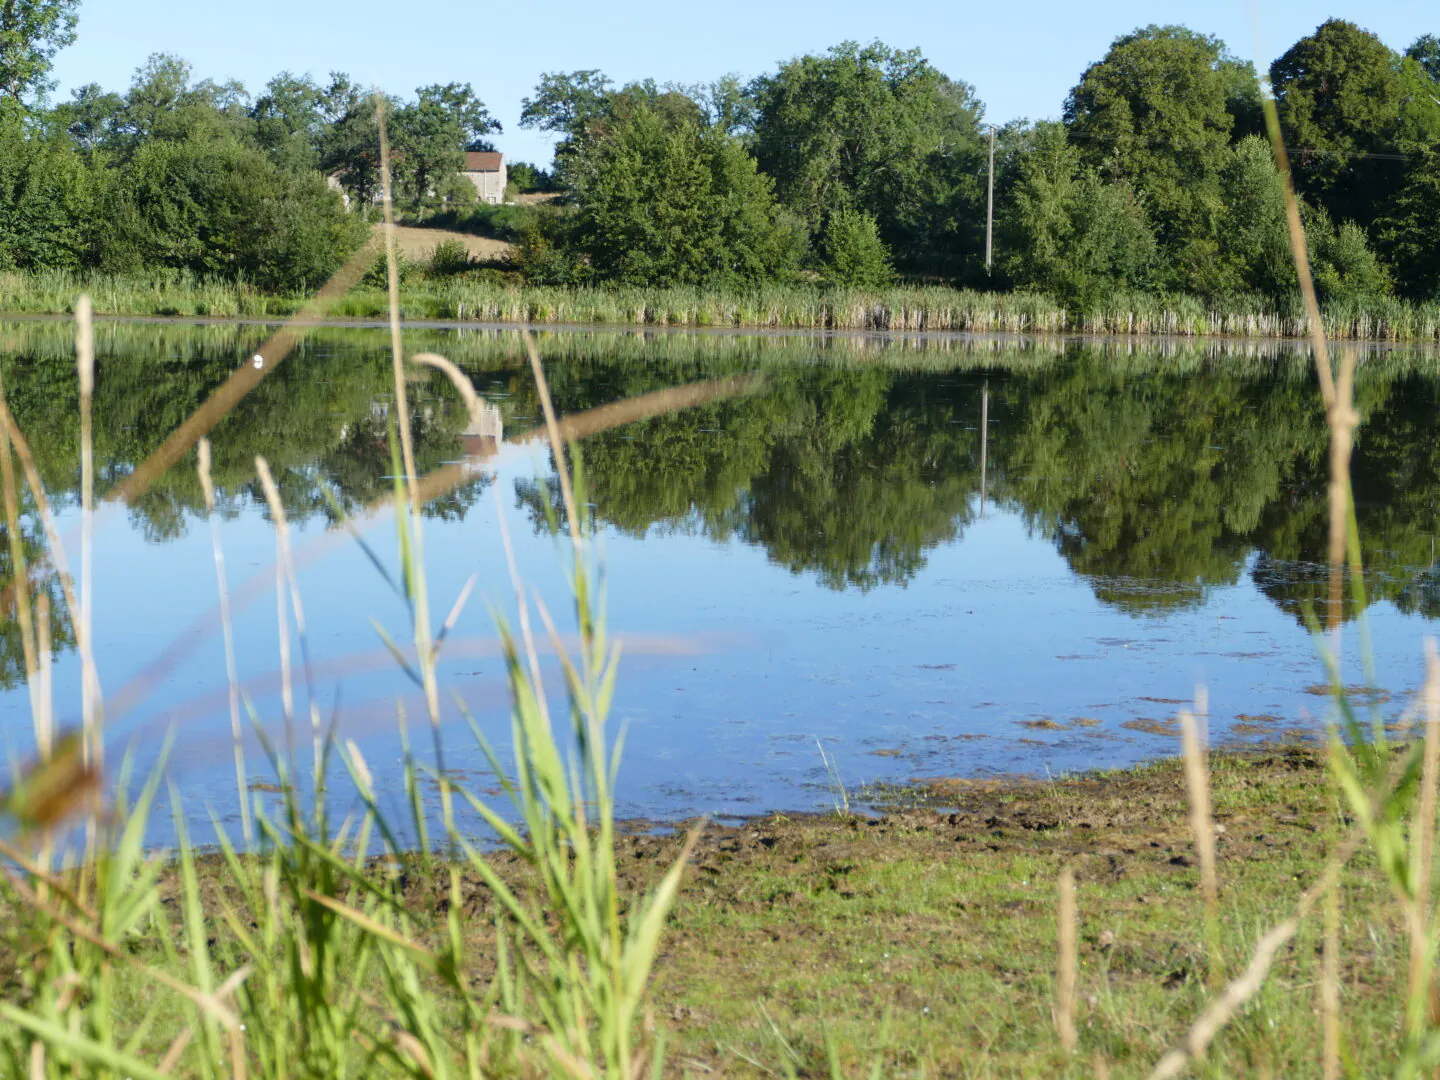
(85, 367)
(1330, 986)
(1419, 914)
(392, 277)
(1300, 252)
(22, 588)
(1067, 964)
(285, 576)
(52, 536)
(93, 746)
(1342, 419)
(1336, 395)
(552, 427)
(431, 486)
(1197, 787)
(1247, 984)
(45, 732)
(232, 678)
(463, 386)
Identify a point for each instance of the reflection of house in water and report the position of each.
(482, 439)
(479, 442)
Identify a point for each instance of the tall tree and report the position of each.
(31, 33)
(564, 104)
(289, 120)
(91, 116)
(1068, 232)
(164, 103)
(1340, 95)
(432, 133)
(1156, 111)
(1425, 51)
(663, 198)
(1409, 233)
(871, 128)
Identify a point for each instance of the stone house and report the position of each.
(486, 170)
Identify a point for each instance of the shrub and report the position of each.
(222, 209)
(449, 257)
(854, 253)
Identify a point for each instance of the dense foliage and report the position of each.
(853, 168)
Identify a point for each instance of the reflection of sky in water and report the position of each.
(1120, 561)
(967, 670)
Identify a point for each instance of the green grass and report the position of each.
(926, 939)
(800, 306)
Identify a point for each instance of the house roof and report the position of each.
(483, 161)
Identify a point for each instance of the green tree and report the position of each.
(290, 120)
(1156, 111)
(1409, 233)
(218, 207)
(1340, 95)
(90, 116)
(1066, 231)
(854, 253)
(1425, 51)
(881, 130)
(1346, 266)
(164, 103)
(529, 178)
(50, 213)
(565, 103)
(666, 200)
(31, 33)
(432, 133)
(350, 146)
(1255, 237)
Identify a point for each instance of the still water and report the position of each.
(821, 559)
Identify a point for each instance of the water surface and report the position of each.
(822, 559)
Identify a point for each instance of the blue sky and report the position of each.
(1022, 56)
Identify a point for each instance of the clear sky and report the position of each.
(1022, 56)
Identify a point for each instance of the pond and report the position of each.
(929, 556)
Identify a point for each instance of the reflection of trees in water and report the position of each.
(320, 420)
(850, 473)
(1157, 474)
(1156, 481)
(1154, 477)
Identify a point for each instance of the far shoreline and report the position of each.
(1297, 344)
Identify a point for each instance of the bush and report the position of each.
(222, 209)
(665, 200)
(854, 253)
(449, 257)
(526, 178)
(377, 278)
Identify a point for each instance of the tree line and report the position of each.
(857, 166)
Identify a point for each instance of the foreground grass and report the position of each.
(810, 307)
(925, 939)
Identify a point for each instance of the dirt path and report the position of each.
(416, 244)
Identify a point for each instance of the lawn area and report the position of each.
(923, 941)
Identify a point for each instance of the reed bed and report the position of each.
(907, 309)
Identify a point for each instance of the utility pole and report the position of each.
(990, 204)
(984, 442)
